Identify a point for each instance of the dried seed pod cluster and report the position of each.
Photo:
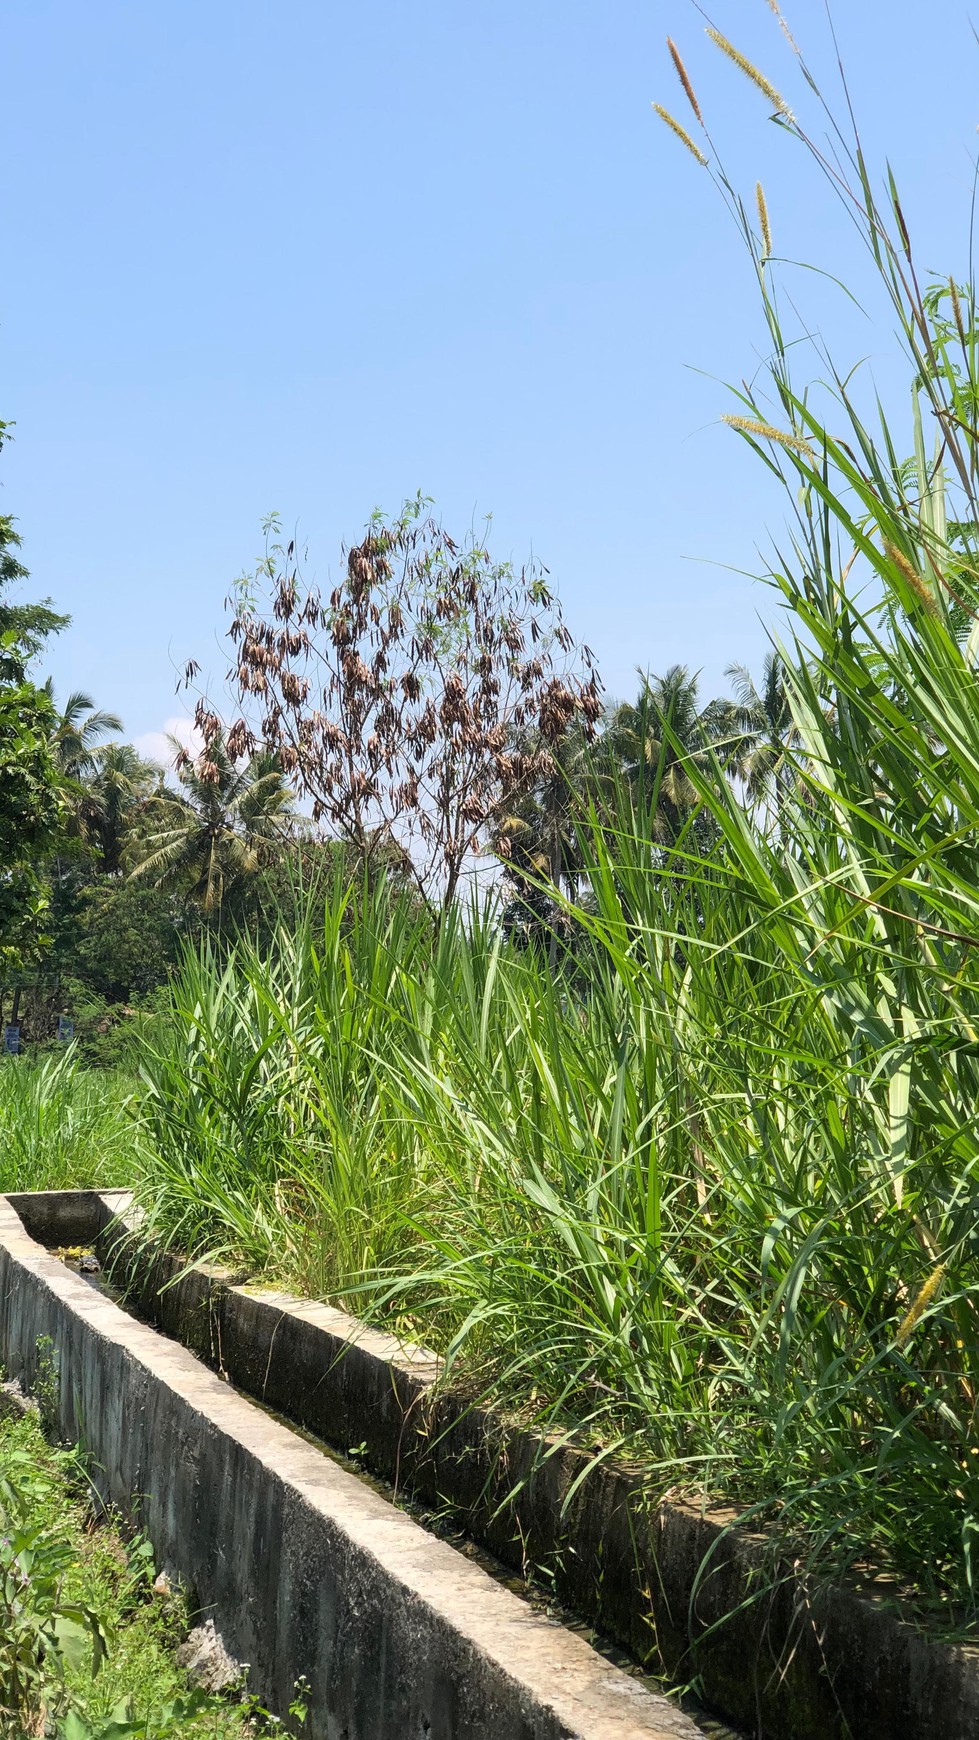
(398, 704)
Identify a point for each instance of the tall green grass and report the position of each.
(711, 1194)
(63, 1126)
(683, 1205)
(270, 1132)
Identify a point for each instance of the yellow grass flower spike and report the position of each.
(919, 1305)
(751, 72)
(681, 133)
(763, 223)
(768, 432)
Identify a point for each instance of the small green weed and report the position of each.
(86, 1644)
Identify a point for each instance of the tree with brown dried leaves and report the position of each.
(417, 702)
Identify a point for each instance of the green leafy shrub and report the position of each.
(43, 1632)
(85, 1642)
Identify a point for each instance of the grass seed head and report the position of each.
(957, 310)
(681, 133)
(751, 72)
(919, 1305)
(768, 432)
(786, 32)
(764, 225)
(915, 580)
(682, 75)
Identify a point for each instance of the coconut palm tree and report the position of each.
(116, 793)
(538, 843)
(75, 733)
(537, 835)
(219, 829)
(770, 736)
(79, 727)
(652, 744)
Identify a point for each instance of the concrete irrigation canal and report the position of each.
(311, 1572)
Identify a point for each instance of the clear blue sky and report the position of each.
(312, 256)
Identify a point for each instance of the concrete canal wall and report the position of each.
(782, 1655)
(305, 1570)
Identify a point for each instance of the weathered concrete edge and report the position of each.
(806, 1660)
(304, 1568)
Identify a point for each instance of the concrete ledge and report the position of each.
(768, 1647)
(68, 1217)
(775, 1651)
(305, 1569)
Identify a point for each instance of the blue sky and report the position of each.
(313, 257)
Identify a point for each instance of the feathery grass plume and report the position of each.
(681, 133)
(957, 310)
(682, 75)
(766, 230)
(767, 432)
(919, 1305)
(917, 584)
(786, 32)
(741, 60)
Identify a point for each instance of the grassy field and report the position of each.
(709, 1192)
(710, 1198)
(63, 1126)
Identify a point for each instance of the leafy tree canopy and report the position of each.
(224, 825)
(31, 810)
(23, 627)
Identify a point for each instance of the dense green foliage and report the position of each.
(64, 1127)
(86, 1643)
(30, 806)
(23, 627)
(30, 817)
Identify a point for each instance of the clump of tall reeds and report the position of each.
(63, 1126)
(710, 1190)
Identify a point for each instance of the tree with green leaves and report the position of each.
(31, 809)
(115, 798)
(23, 627)
(117, 939)
(653, 743)
(769, 734)
(220, 829)
(31, 816)
(79, 729)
